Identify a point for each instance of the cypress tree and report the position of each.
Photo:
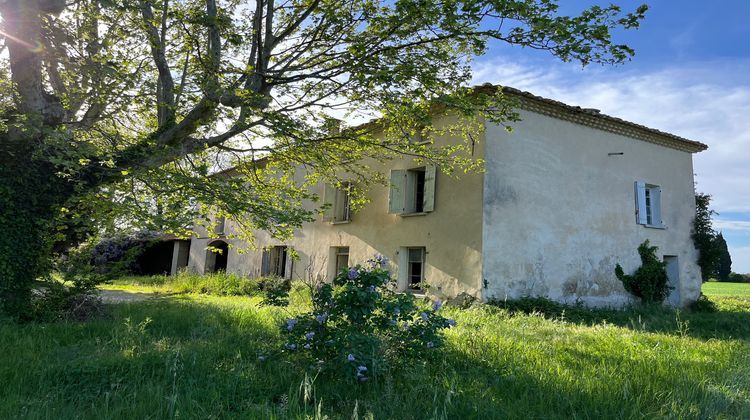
(724, 261)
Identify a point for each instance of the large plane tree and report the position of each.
(114, 108)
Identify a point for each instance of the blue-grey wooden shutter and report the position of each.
(329, 200)
(428, 202)
(640, 203)
(656, 207)
(265, 264)
(396, 198)
(289, 263)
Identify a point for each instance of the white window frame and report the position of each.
(340, 252)
(332, 260)
(648, 205)
(404, 270)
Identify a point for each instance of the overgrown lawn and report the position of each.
(197, 356)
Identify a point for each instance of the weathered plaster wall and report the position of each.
(197, 256)
(451, 234)
(559, 212)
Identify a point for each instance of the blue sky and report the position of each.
(690, 76)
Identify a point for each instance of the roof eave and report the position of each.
(593, 118)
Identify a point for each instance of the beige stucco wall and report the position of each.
(451, 234)
(559, 212)
(551, 217)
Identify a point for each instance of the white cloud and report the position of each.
(707, 102)
(732, 225)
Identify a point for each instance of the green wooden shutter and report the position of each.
(329, 200)
(428, 203)
(265, 264)
(410, 192)
(289, 263)
(397, 193)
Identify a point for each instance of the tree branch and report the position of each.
(165, 89)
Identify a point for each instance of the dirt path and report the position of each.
(121, 296)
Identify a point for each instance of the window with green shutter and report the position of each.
(337, 203)
(412, 191)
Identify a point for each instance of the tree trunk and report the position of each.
(30, 196)
(30, 192)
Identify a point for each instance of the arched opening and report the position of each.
(216, 257)
(155, 259)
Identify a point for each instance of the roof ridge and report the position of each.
(596, 119)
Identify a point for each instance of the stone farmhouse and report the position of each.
(567, 195)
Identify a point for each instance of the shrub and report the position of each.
(54, 301)
(118, 255)
(276, 290)
(359, 326)
(99, 261)
(73, 296)
(75, 268)
(649, 282)
(703, 304)
(225, 284)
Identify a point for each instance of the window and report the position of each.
(648, 204)
(275, 261)
(217, 256)
(415, 268)
(337, 203)
(220, 226)
(412, 191)
(342, 258)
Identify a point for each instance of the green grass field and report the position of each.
(727, 289)
(197, 356)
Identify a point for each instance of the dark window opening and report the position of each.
(419, 191)
(415, 268)
(342, 210)
(155, 259)
(217, 257)
(274, 261)
(342, 258)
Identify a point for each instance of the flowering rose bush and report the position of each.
(359, 325)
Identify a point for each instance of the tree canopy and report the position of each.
(704, 236)
(724, 263)
(125, 107)
(713, 255)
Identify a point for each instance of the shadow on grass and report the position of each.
(731, 321)
(150, 359)
(180, 358)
